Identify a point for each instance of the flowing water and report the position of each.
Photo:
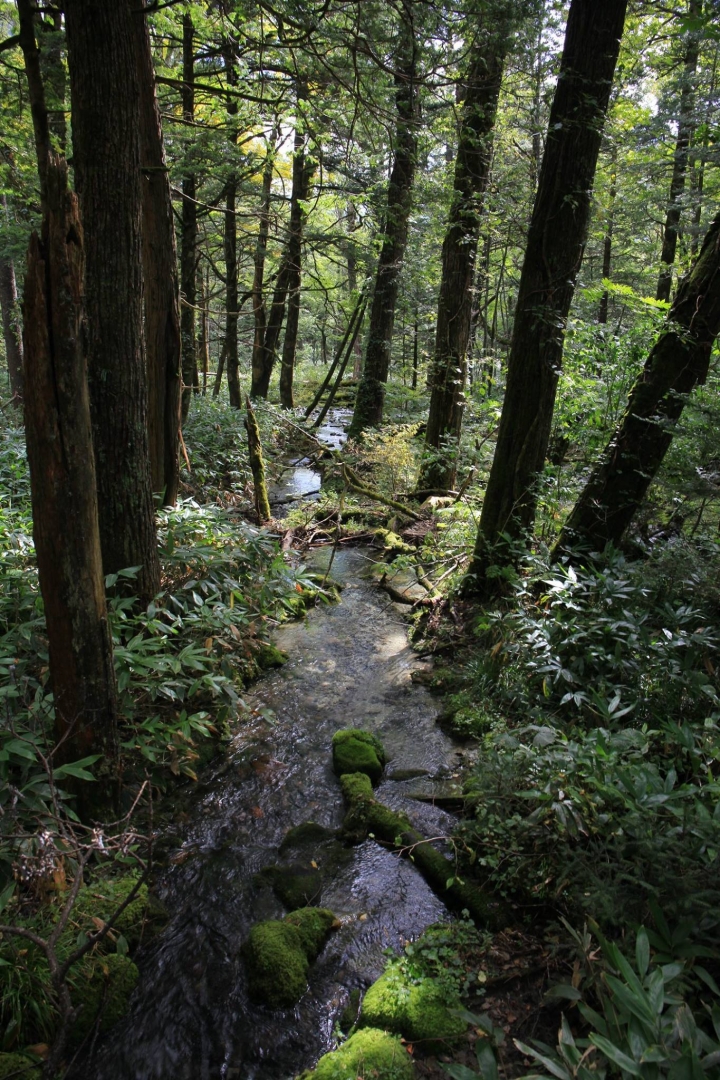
(349, 666)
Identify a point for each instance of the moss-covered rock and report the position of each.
(351, 1013)
(368, 1054)
(309, 833)
(421, 1011)
(269, 656)
(18, 1067)
(101, 989)
(314, 926)
(356, 751)
(278, 955)
(276, 964)
(295, 886)
(143, 916)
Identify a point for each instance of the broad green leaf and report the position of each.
(642, 952)
(614, 1054)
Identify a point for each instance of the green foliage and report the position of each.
(643, 1026)
(367, 1055)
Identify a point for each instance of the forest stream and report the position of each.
(349, 666)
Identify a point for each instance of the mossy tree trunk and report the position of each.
(11, 328)
(161, 298)
(105, 97)
(472, 169)
(370, 399)
(262, 504)
(677, 364)
(554, 251)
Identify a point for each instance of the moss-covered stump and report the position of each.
(356, 751)
(101, 989)
(278, 954)
(420, 1011)
(367, 1053)
(366, 816)
(18, 1067)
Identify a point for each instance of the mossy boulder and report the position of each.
(366, 815)
(420, 1011)
(366, 1054)
(269, 656)
(278, 954)
(101, 989)
(18, 1067)
(295, 886)
(143, 916)
(356, 751)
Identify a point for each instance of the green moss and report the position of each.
(143, 915)
(351, 1012)
(276, 964)
(295, 886)
(418, 1010)
(314, 926)
(358, 751)
(368, 1054)
(278, 954)
(18, 1067)
(268, 656)
(101, 986)
(356, 787)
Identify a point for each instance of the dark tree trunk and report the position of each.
(261, 385)
(106, 141)
(62, 473)
(162, 316)
(553, 255)
(36, 92)
(676, 365)
(686, 121)
(188, 243)
(370, 399)
(302, 173)
(258, 301)
(608, 240)
(53, 75)
(472, 169)
(11, 327)
(352, 280)
(230, 244)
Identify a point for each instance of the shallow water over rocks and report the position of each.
(190, 1019)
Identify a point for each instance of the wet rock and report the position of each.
(278, 955)
(356, 751)
(406, 774)
(366, 1053)
(296, 886)
(419, 1011)
(308, 833)
(351, 1012)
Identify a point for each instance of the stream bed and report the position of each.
(350, 666)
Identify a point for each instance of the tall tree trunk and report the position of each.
(302, 173)
(677, 364)
(106, 141)
(258, 302)
(686, 122)
(53, 75)
(62, 473)
(11, 322)
(553, 255)
(371, 390)
(273, 328)
(472, 169)
(162, 315)
(188, 243)
(351, 249)
(230, 242)
(608, 238)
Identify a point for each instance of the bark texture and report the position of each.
(230, 244)
(266, 358)
(472, 170)
(262, 504)
(686, 122)
(188, 243)
(371, 389)
(106, 140)
(555, 245)
(62, 473)
(258, 301)
(162, 315)
(302, 174)
(11, 329)
(677, 364)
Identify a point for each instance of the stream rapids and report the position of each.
(350, 666)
